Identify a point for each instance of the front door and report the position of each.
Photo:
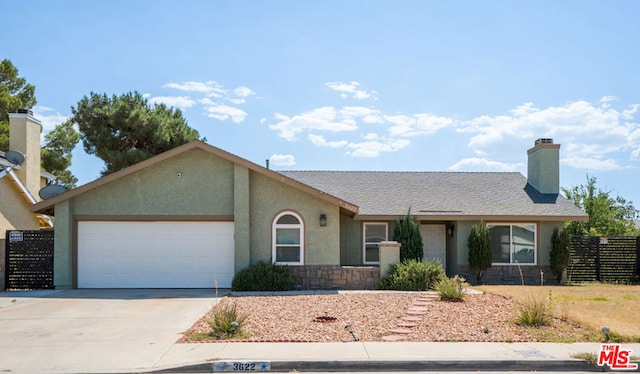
(434, 238)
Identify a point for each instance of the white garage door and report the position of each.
(155, 254)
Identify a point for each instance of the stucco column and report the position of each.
(63, 262)
(241, 217)
(389, 255)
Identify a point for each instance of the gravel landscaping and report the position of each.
(374, 316)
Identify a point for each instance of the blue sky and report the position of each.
(356, 85)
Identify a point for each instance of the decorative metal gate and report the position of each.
(29, 260)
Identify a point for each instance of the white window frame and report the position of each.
(511, 260)
(274, 228)
(364, 241)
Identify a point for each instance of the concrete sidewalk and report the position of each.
(376, 356)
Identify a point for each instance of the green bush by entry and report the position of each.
(413, 275)
(263, 277)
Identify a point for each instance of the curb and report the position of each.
(399, 366)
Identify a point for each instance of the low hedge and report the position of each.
(263, 277)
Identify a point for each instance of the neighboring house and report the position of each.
(195, 215)
(19, 185)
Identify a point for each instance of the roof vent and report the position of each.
(26, 111)
(544, 141)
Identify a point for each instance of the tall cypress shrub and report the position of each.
(479, 244)
(560, 254)
(407, 233)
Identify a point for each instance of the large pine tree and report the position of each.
(124, 130)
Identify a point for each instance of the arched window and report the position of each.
(288, 239)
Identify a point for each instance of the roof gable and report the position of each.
(47, 206)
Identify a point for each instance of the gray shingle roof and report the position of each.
(438, 194)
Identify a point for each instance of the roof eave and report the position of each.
(464, 217)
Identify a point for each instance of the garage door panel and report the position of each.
(155, 254)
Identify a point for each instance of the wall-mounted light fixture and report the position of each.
(450, 229)
(323, 220)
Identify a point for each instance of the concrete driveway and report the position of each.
(94, 330)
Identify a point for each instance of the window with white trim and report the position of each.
(373, 234)
(288, 239)
(513, 243)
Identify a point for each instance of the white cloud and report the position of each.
(320, 119)
(628, 113)
(606, 99)
(204, 87)
(321, 142)
(417, 124)
(182, 102)
(591, 163)
(475, 164)
(243, 91)
(282, 160)
(592, 136)
(358, 111)
(373, 119)
(49, 118)
(223, 112)
(351, 90)
(214, 89)
(373, 148)
(206, 101)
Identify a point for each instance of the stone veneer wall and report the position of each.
(336, 277)
(2, 264)
(511, 275)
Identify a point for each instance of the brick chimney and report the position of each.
(24, 137)
(543, 167)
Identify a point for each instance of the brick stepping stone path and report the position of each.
(412, 319)
(416, 312)
(421, 303)
(407, 324)
(401, 331)
(393, 338)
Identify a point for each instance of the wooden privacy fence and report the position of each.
(604, 259)
(29, 260)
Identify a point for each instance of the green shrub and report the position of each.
(560, 252)
(479, 244)
(407, 233)
(227, 322)
(535, 311)
(451, 289)
(263, 277)
(413, 275)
